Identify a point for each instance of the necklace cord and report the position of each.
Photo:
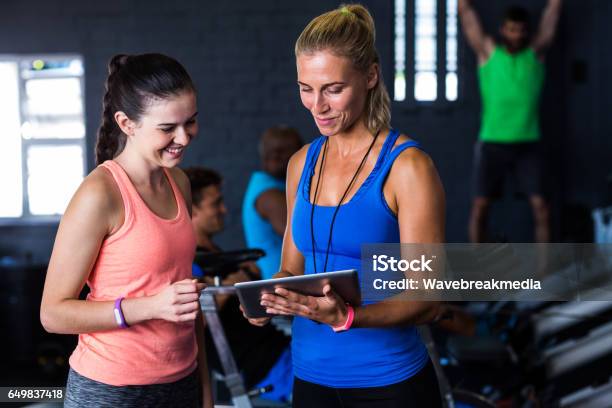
(331, 227)
(314, 261)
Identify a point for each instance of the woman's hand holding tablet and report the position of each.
(321, 297)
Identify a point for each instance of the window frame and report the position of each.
(27, 218)
(441, 101)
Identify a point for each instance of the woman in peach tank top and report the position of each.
(127, 234)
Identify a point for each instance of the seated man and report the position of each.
(264, 209)
(262, 354)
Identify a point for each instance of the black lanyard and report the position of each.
(314, 204)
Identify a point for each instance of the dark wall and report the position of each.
(240, 55)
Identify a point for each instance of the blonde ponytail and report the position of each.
(349, 32)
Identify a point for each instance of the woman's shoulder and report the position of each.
(401, 139)
(99, 186)
(410, 162)
(97, 198)
(414, 173)
(298, 159)
(295, 166)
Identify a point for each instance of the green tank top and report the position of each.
(510, 87)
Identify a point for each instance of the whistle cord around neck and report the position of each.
(331, 227)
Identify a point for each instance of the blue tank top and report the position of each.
(359, 357)
(258, 231)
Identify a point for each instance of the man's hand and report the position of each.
(251, 269)
(236, 277)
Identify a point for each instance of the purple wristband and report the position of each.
(119, 318)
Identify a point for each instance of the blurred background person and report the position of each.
(511, 74)
(264, 209)
(262, 353)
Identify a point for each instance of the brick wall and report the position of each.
(240, 54)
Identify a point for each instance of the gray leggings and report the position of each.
(84, 392)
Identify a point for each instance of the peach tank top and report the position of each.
(146, 254)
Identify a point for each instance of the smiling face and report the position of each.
(208, 215)
(165, 129)
(333, 90)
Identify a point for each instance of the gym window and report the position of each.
(42, 116)
(425, 51)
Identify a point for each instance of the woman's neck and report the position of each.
(355, 139)
(140, 171)
(351, 140)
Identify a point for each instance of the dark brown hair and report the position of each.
(132, 82)
(199, 179)
(517, 14)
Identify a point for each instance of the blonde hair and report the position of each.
(348, 31)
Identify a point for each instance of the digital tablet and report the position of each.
(344, 283)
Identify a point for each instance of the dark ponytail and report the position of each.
(111, 139)
(132, 81)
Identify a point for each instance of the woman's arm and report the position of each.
(417, 195)
(95, 212)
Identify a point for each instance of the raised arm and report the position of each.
(548, 27)
(479, 41)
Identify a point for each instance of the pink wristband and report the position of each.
(349, 320)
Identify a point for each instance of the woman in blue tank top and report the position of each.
(360, 182)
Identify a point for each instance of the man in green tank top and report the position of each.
(511, 75)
